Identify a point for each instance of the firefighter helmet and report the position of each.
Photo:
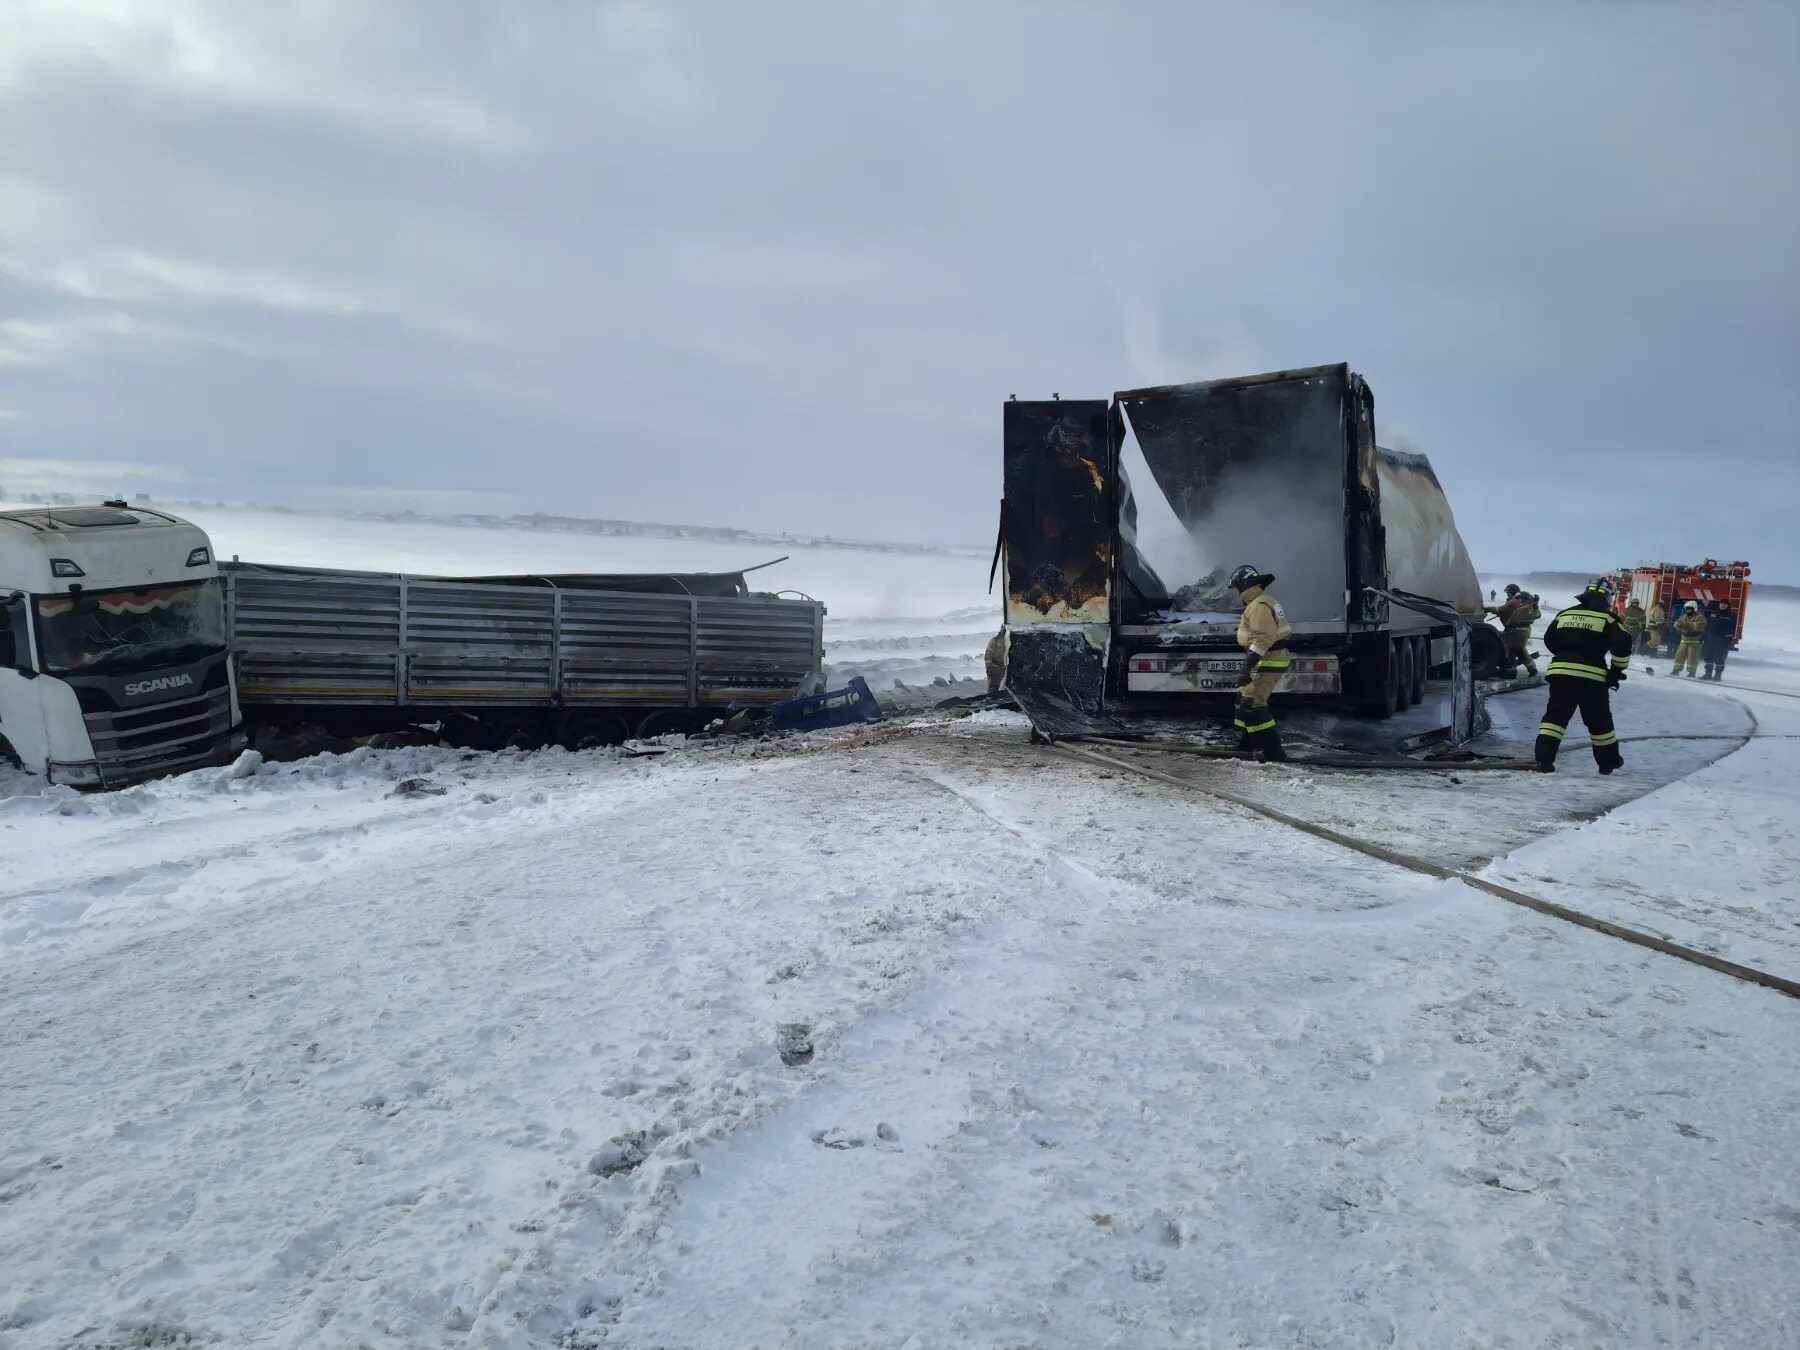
(1512, 588)
(1247, 576)
(1597, 590)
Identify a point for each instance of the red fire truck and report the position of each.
(1673, 584)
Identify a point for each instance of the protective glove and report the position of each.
(1614, 678)
(1248, 673)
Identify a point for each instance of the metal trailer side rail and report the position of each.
(321, 639)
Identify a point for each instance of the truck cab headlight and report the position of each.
(199, 558)
(62, 567)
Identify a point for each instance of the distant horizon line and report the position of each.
(620, 526)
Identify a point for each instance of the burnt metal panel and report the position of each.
(1057, 676)
(1365, 536)
(1058, 523)
(1057, 516)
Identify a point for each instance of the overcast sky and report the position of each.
(779, 265)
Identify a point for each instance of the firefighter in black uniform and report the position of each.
(1589, 650)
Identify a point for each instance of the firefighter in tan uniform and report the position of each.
(1656, 628)
(1691, 628)
(1516, 614)
(1634, 620)
(1263, 633)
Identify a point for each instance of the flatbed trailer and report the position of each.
(569, 658)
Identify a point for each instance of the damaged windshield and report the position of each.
(130, 629)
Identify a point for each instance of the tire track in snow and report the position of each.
(1749, 974)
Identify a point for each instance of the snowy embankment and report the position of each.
(940, 1040)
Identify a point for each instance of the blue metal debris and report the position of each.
(833, 708)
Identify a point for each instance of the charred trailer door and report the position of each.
(1255, 469)
(1057, 528)
(1279, 471)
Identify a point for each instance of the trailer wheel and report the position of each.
(1421, 667)
(1406, 671)
(663, 721)
(1377, 678)
(590, 727)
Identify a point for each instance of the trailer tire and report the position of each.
(590, 727)
(1421, 667)
(1406, 672)
(666, 721)
(402, 738)
(1377, 677)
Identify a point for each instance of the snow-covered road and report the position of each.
(942, 1040)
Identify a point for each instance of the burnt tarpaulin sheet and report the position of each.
(1425, 553)
(1254, 469)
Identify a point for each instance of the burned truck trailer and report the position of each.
(558, 658)
(1281, 470)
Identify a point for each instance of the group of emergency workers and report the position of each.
(1699, 637)
(1589, 651)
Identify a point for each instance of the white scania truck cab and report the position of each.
(113, 661)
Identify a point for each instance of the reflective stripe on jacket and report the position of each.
(1586, 644)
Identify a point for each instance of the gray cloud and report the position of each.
(779, 264)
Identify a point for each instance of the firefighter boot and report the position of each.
(1549, 741)
(1709, 671)
(1269, 747)
(1240, 718)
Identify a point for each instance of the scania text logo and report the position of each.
(158, 685)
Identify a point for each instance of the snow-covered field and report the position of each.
(933, 1039)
